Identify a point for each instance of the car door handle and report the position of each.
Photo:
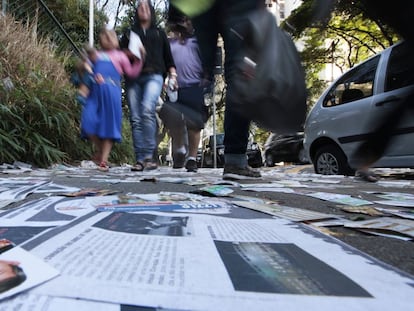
(387, 100)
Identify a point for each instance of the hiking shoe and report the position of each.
(231, 172)
(178, 160)
(191, 165)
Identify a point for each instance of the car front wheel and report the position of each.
(330, 160)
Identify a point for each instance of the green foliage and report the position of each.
(342, 38)
(39, 116)
(38, 113)
(123, 152)
(125, 22)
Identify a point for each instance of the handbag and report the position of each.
(269, 82)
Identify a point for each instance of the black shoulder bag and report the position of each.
(269, 83)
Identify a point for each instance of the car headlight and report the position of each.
(254, 147)
(220, 151)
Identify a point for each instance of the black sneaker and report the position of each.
(178, 160)
(191, 166)
(231, 172)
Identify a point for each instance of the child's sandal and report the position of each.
(103, 166)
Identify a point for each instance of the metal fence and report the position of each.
(37, 14)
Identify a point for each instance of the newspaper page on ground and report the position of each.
(30, 302)
(203, 262)
(20, 270)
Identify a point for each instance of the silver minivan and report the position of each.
(347, 112)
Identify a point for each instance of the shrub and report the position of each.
(39, 116)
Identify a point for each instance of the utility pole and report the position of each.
(214, 125)
(333, 45)
(217, 71)
(91, 13)
(4, 7)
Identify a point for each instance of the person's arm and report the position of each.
(168, 59)
(172, 76)
(122, 64)
(130, 69)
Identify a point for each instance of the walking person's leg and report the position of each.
(152, 87)
(225, 17)
(173, 120)
(193, 142)
(179, 145)
(134, 94)
(191, 105)
(236, 126)
(97, 149)
(106, 147)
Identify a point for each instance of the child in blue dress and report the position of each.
(101, 120)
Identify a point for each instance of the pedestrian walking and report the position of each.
(211, 19)
(101, 120)
(184, 117)
(143, 92)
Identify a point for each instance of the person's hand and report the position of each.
(129, 54)
(132, 58)
(207, 85)
(88, 67)
(172, 82)
(99, 78)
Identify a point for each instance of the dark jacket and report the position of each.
(158, 57)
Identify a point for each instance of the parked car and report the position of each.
(347, 112)
(285, 148)
(208, 151)
(199, 157)
(254, 152)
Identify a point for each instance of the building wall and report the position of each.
(282, 8)
(290, 5)
(274, 7)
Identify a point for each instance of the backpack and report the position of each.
(269, 82)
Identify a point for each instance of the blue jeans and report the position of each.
(207, 26)
(142, 96)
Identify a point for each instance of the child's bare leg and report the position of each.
(106, 149)
(193, 142)
(97, 146)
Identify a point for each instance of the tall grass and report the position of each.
(39, 116)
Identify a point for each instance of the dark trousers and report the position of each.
(225, 18)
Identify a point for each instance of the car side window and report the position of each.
(220, 139)
(400, 69)
(356, 84)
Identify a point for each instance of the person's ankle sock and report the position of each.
(181, 150)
